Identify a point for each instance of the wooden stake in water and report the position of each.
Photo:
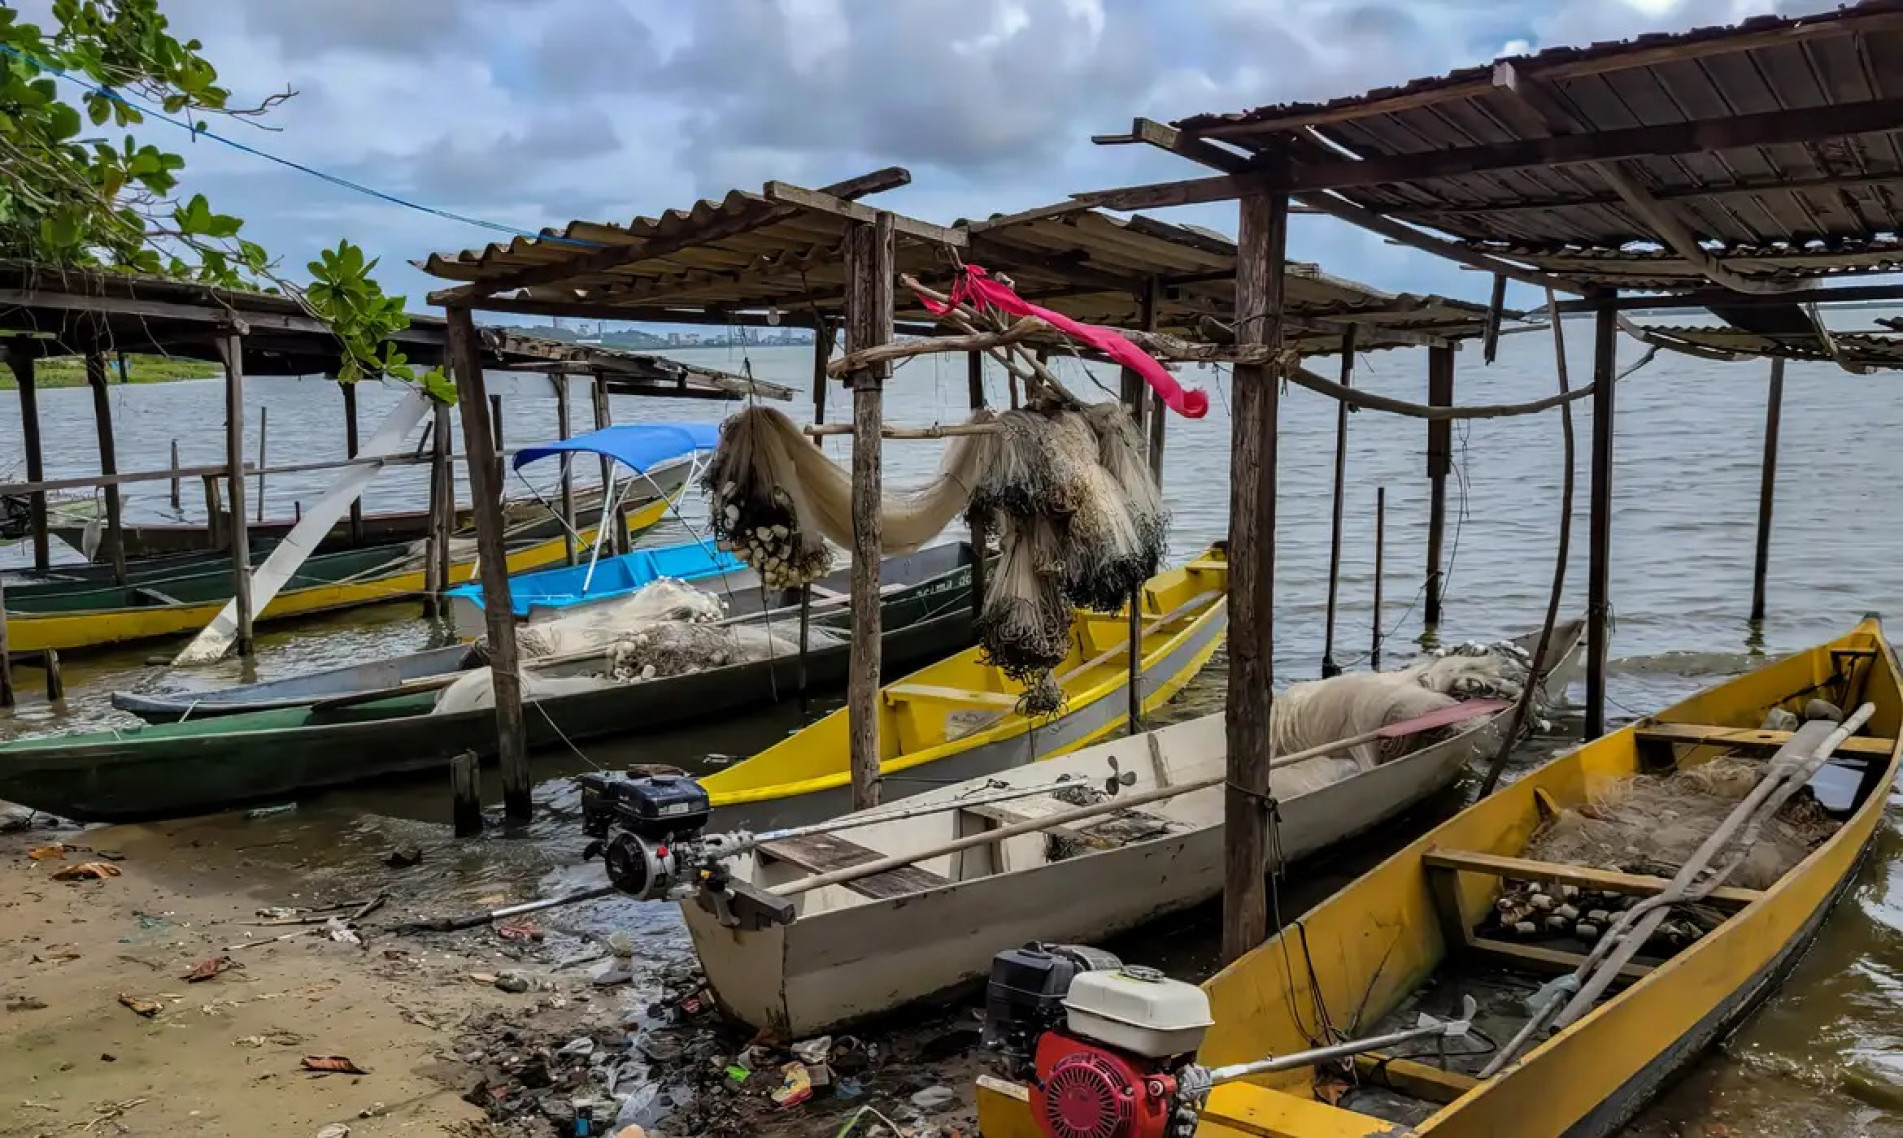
(175, 493)
(264, 435)
(1380, 532)
(465, 784)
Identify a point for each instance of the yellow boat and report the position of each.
(957, 720)
(67, 618)
(1364, 956)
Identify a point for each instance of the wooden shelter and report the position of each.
(1733, 168)
(825, 259)
(47, 312)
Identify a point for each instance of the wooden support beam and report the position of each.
(1261, 261)
(1730, 191)
(1496, 309)
(565, 426)
(1767, 128)
(99, 382)
(823, 201)
(1599, 558)
(351, 446)
(1753, 740)
(980, 541)
(20, 360)
(1329, 666)
(1440, 463)
(1767, 487)
(1559, 873)
(492, 560)
(237, 530)
(869, 275)
(822, 355)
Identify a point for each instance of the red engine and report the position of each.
(1087, 1090)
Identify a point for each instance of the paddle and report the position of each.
(1445, 717)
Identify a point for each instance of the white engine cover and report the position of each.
(1138, 1010)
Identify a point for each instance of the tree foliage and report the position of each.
(79, 188)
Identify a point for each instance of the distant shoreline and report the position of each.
(70, 371)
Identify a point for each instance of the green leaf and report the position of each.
(439, 387)
(63, 121)
(98, 109)
(223, 225)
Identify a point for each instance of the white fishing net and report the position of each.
(476, 689)
(596, 626)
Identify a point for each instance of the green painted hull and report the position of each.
(178, 769)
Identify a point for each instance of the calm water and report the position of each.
(1826, 1056)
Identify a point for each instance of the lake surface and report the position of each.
(1824, 1057)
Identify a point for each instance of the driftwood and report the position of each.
(949, 430)
(1017, 362)
(974, 342)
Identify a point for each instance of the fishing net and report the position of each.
(1322, 711)
(674, 649)
(777, 499)
(597, 625)
(1474, 671)
(1652, 824)
(476, 689)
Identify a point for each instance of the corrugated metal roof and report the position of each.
(1829, 188)
(1852, 350)
(1664, 270)
(1086, 264)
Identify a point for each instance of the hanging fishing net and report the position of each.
(674, 649)
(1652, 824)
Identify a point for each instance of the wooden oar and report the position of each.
(1445, 717)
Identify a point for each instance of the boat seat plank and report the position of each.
(1749, 739)
(1539, 958)
(899, 693)
(148, 593)
(1041, 806)
(1415, 1079)
(823, 853)
(1207, 566)
(1559, 873)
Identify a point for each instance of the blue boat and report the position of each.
(643, 448)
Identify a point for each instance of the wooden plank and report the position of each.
(1419, 1080)
(821, 201)
(1261, 261)
(899, 693)
(1751, 739)
(1559, 873)
(20, 360)
(1538, 958)
(1768, 128)
(492, 553)
(868, 324)
(237, 532)
(823, 853)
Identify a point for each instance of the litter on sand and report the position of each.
(332, 1065)
(210, 967)
(88, 871)
(141, 1006)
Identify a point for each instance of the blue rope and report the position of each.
(345, 183)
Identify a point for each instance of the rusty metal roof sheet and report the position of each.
(1830, 188)
(1851, 349)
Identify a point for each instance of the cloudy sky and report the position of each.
(533, 112)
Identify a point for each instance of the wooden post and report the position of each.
(214, 512)
(1261, 242)
(1329, 667)
(264, 455)
(1380, 537)
(980, 540)
(97, 379)
(350, 451)
(822, 355)
(1599, 564)
(231, 347)
(1159, 414)
(1134, 392)
(868, 324)
(175, 479)
(20, 359)
(495, 420)
(55, 682)
(1440, 461)
(565, 426)
(442, 518)
(1767, 486)
(465, 790)
(484, 462)
(604, 417)
(6, 661)
(1490, 338)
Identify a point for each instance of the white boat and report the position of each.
(870, 946)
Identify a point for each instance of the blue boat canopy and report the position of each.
(642, 446)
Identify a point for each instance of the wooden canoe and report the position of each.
(566, 590)
(903, 575)
(94, 617)
(956, 719)
(865, 948)
(1369, 953)
(199, 766)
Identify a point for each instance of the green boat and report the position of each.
(196, 767)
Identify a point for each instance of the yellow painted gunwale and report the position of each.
(1375, 941)
(814, 759)
(33, 632)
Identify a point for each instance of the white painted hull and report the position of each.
(847, 959)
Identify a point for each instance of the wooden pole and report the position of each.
(1440, 461)
(98, 380)
(822, 355)
(980, 539)
(1496, 305)
(484, 461)
(1329, 667)
(564, 426)
(350, 451)
(231, 347)
(1599, 564)
(214, 512)
(20, 359)
(604, 417)
(55, 682)
(1380, 536)
(1261, 243)
(175, 479)
(264, 434)
(1767, 486)
(868, 323)
(495, 420)
(435, 555)
(6, 661)
(465, 791)
(1135, 392)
